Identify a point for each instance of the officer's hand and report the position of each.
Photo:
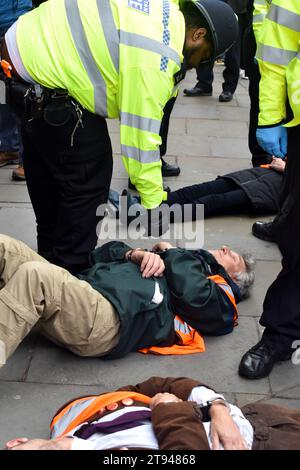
(273, 140)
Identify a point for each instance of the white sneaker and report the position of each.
(242, 75)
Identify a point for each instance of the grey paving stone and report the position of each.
(243, 100)
(265, 274)
(217, 366)
(16, 367)
(243, 399)
(228, 147)
(205, 128)
(194, 109)
(236, 233)
(284, 376)
(188, 146)
(18, 222)
(27, 409)
(231, 114)
(290, 393)
(197, 170)
(14, 193)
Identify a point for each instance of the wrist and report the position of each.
(217, 405)
(129, 254)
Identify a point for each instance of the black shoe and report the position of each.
(225, 96)
(166, 188)
(197, 91)
(169, 170)
(264, 231)
(259, 360)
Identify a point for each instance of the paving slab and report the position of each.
(235, 231)
(243, 399)
(27, 409)
(18, 364)
(206, 128)
(265, 274)
(284, 376)
(229, 147)
(19, 222)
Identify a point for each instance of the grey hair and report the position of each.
(245, 279)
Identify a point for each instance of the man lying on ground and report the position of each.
(167, 414)
(125, 301)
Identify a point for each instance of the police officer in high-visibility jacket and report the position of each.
(278, 53)
(116, 59)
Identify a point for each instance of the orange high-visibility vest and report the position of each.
(189, 341)
(80, 410)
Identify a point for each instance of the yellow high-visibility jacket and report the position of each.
(260, 9)
(117, 58)
(278, 54)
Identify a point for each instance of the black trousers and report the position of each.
(66, 185)
(220, 197)
(259, 156)
(281, 310)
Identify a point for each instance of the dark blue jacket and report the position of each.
(10, 10)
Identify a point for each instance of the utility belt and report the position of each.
(33, 101)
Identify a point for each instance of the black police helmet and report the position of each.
(222, 23)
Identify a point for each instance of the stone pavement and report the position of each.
(207, 138)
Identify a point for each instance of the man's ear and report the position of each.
(199, 33)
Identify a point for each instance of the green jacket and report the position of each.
(185, 288)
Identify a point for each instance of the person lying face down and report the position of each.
(167, 414)
(125, 301)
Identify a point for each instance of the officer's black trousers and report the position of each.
(281, 311)
(66, 185)
(259, 156)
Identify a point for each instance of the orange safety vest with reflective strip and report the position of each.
(80, 410)
(228, 291)
(189, 341)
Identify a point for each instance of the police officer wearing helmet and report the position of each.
(97, 60)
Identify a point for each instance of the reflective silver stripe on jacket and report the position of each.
(86, 57)
(62, 424)
(226, 288)
(141, 123)
(259, 2)
(148, 44)
(182, 327)
(259, 18)
(274, 55)
(142, 156)
(284, 17)
(110, 31)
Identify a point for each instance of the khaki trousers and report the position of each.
(70, 312)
